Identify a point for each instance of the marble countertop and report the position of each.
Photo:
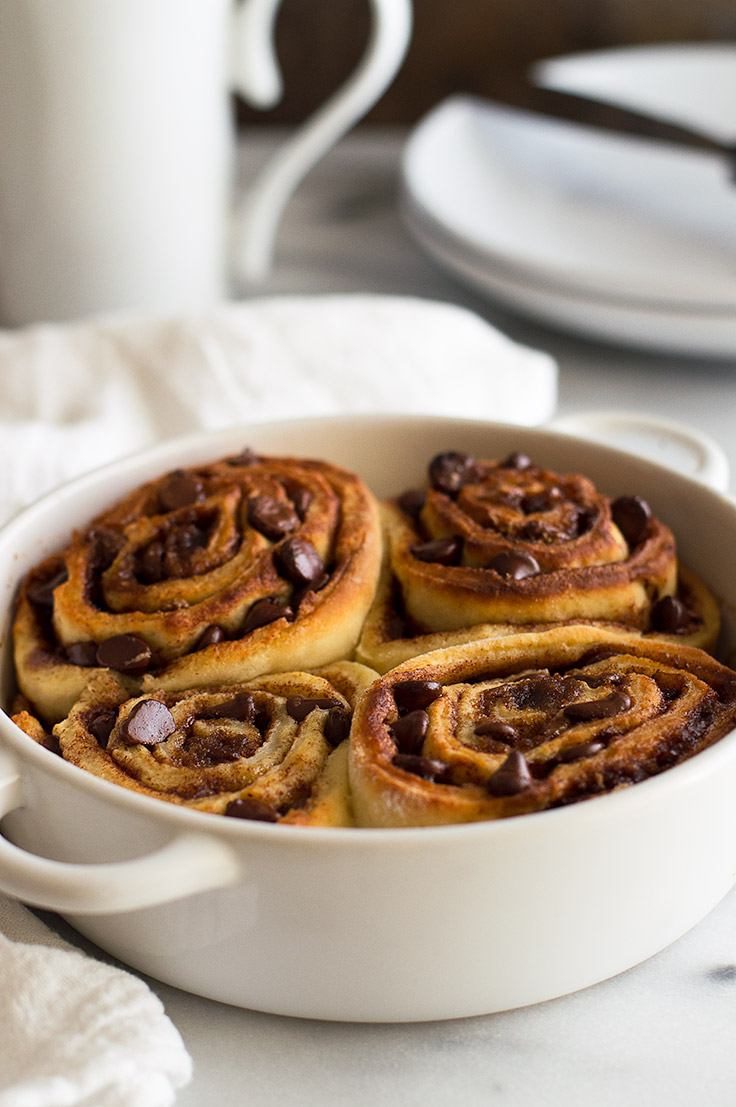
(658, 1034)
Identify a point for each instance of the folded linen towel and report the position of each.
(76, 396)
(74, 1031)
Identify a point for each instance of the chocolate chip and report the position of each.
(245, 457)
(241, 707)
(516, 461)
(670, 616)
(273, 518)
(440, 551)
(264, 612)
(585, 518)
(211, 635)
(251, 808)
(125, 652)
(518, 566)
(498, 731)
(583, 749)
(180, 490)
(41, 592)
(449, 471)
(151, 563)
(413, 695)
(100, 725)
(106, 544)
(632, 515)
(298, 707)
(586, 710)
(82, 653)
(412, 501)
(51, 743)
(426, 767)
(537, 502)
(513, 776)
(300, 497)
(410, 730)
(337, 725)
(298, 561)
(149, 723)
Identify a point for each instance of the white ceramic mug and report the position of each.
(116, 140)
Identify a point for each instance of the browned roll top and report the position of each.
(511, 542)
(529, 722)
(213, 573)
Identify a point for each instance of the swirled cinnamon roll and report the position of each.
(209, 575)
(528, 722)
(273, 749)
(494, 546)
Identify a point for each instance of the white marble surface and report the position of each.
(659, 1034)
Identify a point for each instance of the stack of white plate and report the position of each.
(618, 237)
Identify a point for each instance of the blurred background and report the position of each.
(478, 46)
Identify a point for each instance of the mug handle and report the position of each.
(257, 78)
(189, 863)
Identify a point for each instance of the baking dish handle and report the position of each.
(189, 863)
(666, 441)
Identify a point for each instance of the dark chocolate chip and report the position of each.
(241, 707)
(298, 707)
(180, 490)
(632, 515)
(149, 723)
(41, 592)
(498, 731)
(125, 652)
(449, 471)
(264, 612)
(583, 749)
(337, 725)
(516, 460)
(518, 566)
(298, 561)
(440, 551)
(670, 616)
(250, 808)
(537, 502)
(273, 518)
(301, 499)
(106, 544)
(100, 725)
(426, 767)
(151, 563)
(51, 743)
(586, 710)
(412, 501)
(211, 635)
(512, 777)
(413, 695)
(245, 457)
(410, 730)
(82, 653)
(585, 519)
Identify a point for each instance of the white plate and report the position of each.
(619, 238)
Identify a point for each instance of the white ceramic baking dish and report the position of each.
(375, 925)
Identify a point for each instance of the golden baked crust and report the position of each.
(220, 572)
(389, 637)
(275, 747)
(649, 705)
(494, 545)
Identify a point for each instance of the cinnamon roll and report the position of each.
(272, 749)
(491, 547)
(528, 722)
(209, 575)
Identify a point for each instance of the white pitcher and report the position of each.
(116, 148)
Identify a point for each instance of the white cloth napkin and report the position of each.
(73, 1031)
(75, 396)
